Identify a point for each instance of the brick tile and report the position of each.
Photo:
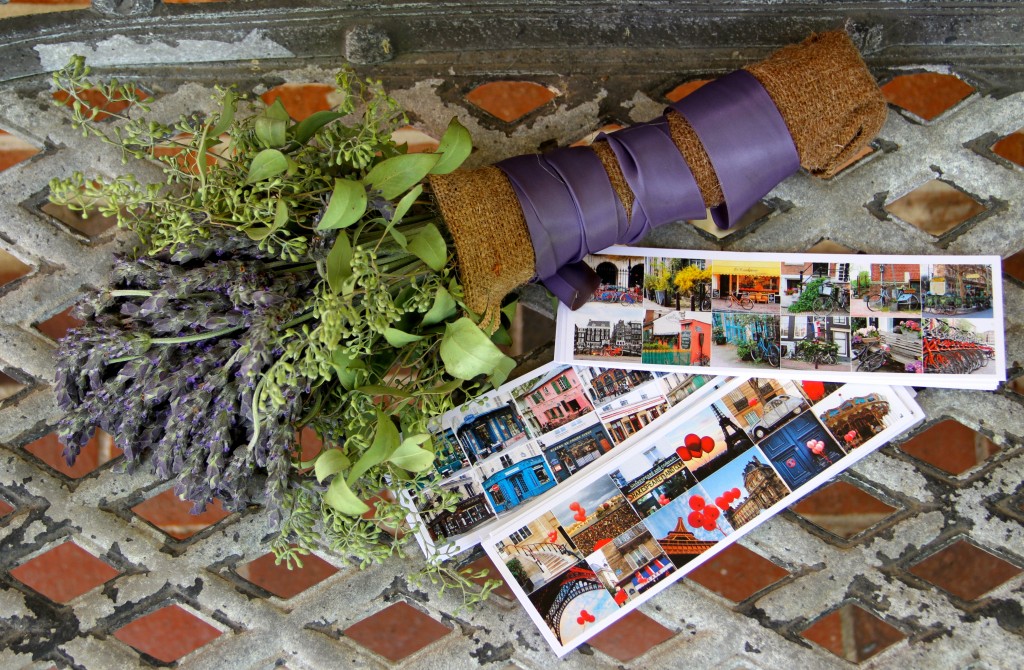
(13, 149)
(737, 573)
(417, 140)
(174, 516)
(510, 100)
(25, 7)
(485, 563)
(950, 446)
(396, 631)
(853, 633)
(97, 451)
(935, 207)
(965, 570)
(842, 509)
(926, 95)
(589, 138)
(1014, 265)
(1015, 385)
(91, 226)
(9, 386)
(633, 635)
(5, 508)
(11, 268)
(1011, 147)
(685, 89)
(167, 634)
(302, 100)
(64, 573)
(281, 581)
(829, 247)
(58, 325)
(755, 214)
(94, 99)
(864, 152)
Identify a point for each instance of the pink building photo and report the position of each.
(553, 400)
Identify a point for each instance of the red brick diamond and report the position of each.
(631, 636)
(64, 573)
(281, 581)
(167, 634)
(397, 631)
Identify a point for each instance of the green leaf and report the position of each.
(443, 389)
(276, 110)
(347, 205)
(340, 497)
(501, 336)
(280, 215)
(405, 203)
(271, 132)
(455, 146)
(399, 338)
(330, 462)
(443, 307)
(430, 247)
(385, 441)
(411, 457)
(227, 114)
(398, 174)
(467, 351)
(340, 361)
(339, 263)
(258, 232)
(502, 370)
(266, 164)
(379, 390)
(509, 310)
(312, 123)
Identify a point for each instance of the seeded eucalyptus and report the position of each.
(288, 275)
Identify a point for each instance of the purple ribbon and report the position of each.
(571, 209)
(746, 139)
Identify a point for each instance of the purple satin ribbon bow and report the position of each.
(571, 209)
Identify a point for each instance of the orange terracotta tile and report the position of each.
(1014, 265)
(950, 446)
(58, 325)
(97, 451)
(926, 94)
(25, 7)
(167, 634)
(864, 152)
(13, 150)
(485, 563)
(11, 268)
(417, 140)
(64, 573)
(1015, 385)
(588, 139)
(685, 89)
(852, 633)
(396, 631)
(5, 508)
(1011, 147)
(302, 100)
(829, 247)
(174, 516)
(631, 636)
(9, 386)
(965, 570)
(91, 226)
(935, 207)
(737, 573)
(177, 150)
(281, 581)
(93, 99)
(510, 100)
(842, 509)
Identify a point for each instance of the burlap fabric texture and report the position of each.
(824, 91)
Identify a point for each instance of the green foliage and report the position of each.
(743, 349)
(376, 343)
(516, 568)
(805, 303)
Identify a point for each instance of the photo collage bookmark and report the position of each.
(915, 320)
(514, 446)
(660, 507)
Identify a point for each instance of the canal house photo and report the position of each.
(490, 430)
(552, 400)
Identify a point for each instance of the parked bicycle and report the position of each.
(616, 294)
(888, 296)
(869, 358)
(701, 301)
(831, 298)
(763, 350)
(740, 300)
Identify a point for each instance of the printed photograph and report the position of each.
(469, 513)
(449, 456)
(613, 337)
(761, 405)
(880, 289)
(688, 526)
(856, 413)
(745, 286)
(569, 451)
(622, 280)
(959, 346)
(678, 386)
(800, 449)
(515, 475)
(746, 341)
(630, 564)
(815, 289)
(888, 345)
(487, 426)
(655, 477)
(745, 487)
(598, 514)
(538, 552)
(677, 338)
(552, 399)
(706, 441)
(572, 602)
(628, 415)
(678, 284)
(815, 343)
(606, 384)
(956, 290)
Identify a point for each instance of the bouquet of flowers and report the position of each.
(315, 275)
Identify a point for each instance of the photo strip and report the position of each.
(829, 317)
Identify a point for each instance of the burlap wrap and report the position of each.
(828, 99)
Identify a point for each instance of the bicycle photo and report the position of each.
(887, 289)
(746, 340)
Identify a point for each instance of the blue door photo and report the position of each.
(787, 449)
